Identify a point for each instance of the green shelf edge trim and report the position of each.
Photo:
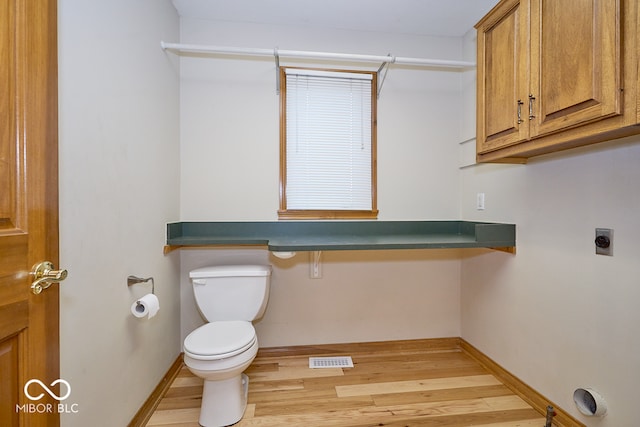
(343, 235)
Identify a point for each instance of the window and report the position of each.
(327, 144)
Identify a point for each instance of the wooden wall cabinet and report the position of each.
(554, 75)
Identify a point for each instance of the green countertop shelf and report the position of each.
(287, 236)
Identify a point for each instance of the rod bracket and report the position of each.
(277, 59)
(384, 67)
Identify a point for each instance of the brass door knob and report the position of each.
(44, 275)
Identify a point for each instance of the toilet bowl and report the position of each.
(229, 298)
(219, 352)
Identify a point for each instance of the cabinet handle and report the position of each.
(531, 99)
(520, 111)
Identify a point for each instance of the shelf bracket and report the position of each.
(277, 58)
(381, 77)
(315, 268)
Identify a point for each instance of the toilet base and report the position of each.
(224, 402)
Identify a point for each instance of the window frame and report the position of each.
(283, 211)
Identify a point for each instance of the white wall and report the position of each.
(362, 295)
(555, 314)
(230, 135)
(119, 175)
(229, 158)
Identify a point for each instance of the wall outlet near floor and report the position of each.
(480, 201)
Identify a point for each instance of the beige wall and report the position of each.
(229, 156)
(118, 187)
(555, 314)
(229, 122)
(362, 295)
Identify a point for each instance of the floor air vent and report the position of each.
(331, 362)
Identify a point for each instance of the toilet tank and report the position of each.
(231, 292)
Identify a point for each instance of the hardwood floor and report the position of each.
(397, 384)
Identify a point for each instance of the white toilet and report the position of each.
(229, 297)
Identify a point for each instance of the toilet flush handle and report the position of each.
(199, 282)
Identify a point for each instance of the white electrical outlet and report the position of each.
(480, 201)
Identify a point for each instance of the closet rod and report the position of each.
(317, 55)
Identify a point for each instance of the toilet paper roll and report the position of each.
(147, 306)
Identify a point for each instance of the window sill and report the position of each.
(321, 215)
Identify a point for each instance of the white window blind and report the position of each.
(328, 140)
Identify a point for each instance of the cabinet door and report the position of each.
(575, 63)
(503, 76)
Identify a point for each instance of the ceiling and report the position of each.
(451, 18)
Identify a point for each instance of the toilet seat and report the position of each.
(219, 340)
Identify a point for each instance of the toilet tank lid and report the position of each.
(231, 271)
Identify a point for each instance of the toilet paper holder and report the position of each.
(132, 280)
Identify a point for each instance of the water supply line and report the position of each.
(550, 414)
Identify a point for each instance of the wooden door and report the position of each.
(503, 76)
(575, 63)
(29, 346)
